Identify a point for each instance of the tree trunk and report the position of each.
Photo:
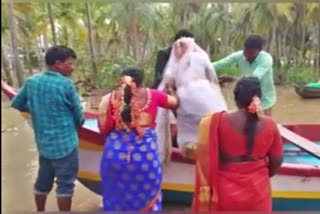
(128, 42)
(99, 48)
(28, 63)
(66, 37)
(134, 31)
(314, 49)
(226, 30)
(319, 39)
(278, 51)
(284, 47)
(303, 36)
(273, 37)
(39, 51)
(53, 27)
(269, 41)
(5, 65)
(145, 44)
(14, 44)
(45, 41)
(91, 42)
(185, 15)
(26, 50)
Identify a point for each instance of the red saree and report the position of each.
(243, 186)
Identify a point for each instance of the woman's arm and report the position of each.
(105, 120)
(275, 153)
(274, 164)
(168, 101)
(173, 100)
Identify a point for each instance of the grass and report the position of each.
(296, 75)
(283, 75)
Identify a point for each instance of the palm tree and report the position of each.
(90, 36)
(319, 37)
(136, 19)
(5, 65)
(52, 24)
(14, 43)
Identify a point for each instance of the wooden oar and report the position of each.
(300, 141)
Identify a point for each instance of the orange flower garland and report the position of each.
(118, 105)
(255, 106)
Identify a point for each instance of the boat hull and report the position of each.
(307, 92)
(290, 192)
(295, 187)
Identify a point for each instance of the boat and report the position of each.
(307, 92)
(294, 188)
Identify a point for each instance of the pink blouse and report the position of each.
(148, 114)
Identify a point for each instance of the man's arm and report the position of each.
(264, 66)
(159, 69)
(20, 101)
(73, 101)
(227, 61)
(210, 71)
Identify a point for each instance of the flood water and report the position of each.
(20, 158)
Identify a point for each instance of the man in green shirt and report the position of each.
(255, 62)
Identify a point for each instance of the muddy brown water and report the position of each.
(20, 158)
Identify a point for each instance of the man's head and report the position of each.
(183, 33)
(61, 59)
(252, 46)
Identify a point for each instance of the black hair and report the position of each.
(254, 41)
(183, 33)
(137, 76)
(59, 53)
(246, 88)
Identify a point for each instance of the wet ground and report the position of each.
(19, 156)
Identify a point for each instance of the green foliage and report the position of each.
(297, 75)
(110, 72)
(126, 34)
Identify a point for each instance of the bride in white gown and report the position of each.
(190, 71)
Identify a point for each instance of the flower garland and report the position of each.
(255, 106)
(119, 104)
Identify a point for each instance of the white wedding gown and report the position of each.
(199, 95)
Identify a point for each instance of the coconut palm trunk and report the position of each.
(90, 37)
(14, 44)
(52, 25)
(5, 65)
(319, 39)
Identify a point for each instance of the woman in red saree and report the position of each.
(237, 154)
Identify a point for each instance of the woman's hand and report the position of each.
(169, 89)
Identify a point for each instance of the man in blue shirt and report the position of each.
(56, 115)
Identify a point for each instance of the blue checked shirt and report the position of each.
(56, 112)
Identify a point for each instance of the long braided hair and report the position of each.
(125, 102)
(247, 94)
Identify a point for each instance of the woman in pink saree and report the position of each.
(130, 166)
